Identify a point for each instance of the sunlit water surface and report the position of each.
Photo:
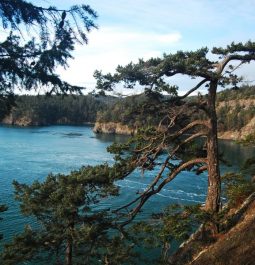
(29, 154)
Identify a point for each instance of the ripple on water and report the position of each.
(29, 154)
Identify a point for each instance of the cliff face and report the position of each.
(113, 128)
(118, 128)
(22, 121)
(240, 134)
(236, 118)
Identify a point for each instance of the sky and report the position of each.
(132, 29)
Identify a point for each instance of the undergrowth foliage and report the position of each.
(237, 188)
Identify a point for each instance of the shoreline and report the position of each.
(118, 129)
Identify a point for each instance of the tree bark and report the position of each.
(214, 182)
(69, 253)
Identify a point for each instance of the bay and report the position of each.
(29, 154)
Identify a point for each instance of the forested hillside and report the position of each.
(235, 109)
(134, 111)
(236, 113)
(46, 110)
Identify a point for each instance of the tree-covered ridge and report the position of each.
(235, 117)
(244, 92)
(235, 109)
(134, 111)
(46, 110)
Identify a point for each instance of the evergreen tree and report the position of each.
(69, 228)
(171, 144)
(3, 208)
(35, 42)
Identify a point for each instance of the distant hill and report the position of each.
(236, 112)
(47, 110)
(235, 109)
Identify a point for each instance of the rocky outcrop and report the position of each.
(8, 120)
(22, 121)
(241, 134)
(247, 129)
(113, 128)
(245, 103)
(119, 128)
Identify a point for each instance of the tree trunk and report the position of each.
(214, 182)
(69, 253)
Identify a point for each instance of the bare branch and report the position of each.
(223, 63)
(194, 89)
(190, 126)
(146, 195)
(201, 169)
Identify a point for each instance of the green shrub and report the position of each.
(236, 188)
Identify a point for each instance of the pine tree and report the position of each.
(3, 208)
(175, 136)
(35, 42)
(69, 229)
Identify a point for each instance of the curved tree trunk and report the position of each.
(214, 182)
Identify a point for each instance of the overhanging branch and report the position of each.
(191, 125)
(193, 89)
(223, 63)
(149, 192)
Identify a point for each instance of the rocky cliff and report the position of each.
(248, 129)
(236, 120)
(113, 128)
(118, 128)
(21, 121)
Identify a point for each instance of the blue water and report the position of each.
(29, 154)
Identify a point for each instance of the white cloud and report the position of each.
(108, 36)
(110, 47)
(133, 29)
(169, 38)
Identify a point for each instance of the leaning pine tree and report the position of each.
(180, 128)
